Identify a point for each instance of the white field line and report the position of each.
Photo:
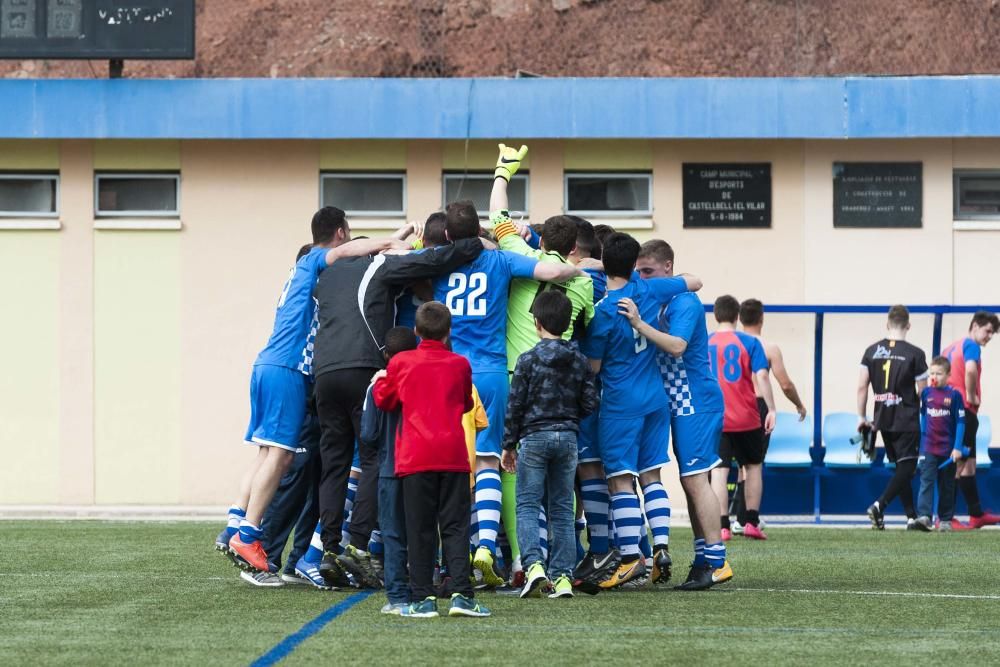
(911, 594)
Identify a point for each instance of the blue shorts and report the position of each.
(278, 398)
(493, 388)
(356, 463)
(586, 441)
(636, 445)
(696, 441)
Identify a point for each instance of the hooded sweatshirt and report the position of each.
(552, 388)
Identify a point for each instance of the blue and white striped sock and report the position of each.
(594, 493)
(657, 505)
(488, 494)
(543, 535)
(345, 528)
(715, 554)
(628, 523)
(314, 554)
(375, 546)
(699, 551)
(249, 532)
(233, 520)
(580, 525)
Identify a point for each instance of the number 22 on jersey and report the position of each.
(467, 295)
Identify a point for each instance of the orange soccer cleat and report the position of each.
(251, 554)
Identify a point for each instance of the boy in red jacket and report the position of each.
(433, 386)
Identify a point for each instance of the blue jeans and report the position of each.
(946, 487)
(392, 523)
(546, 466)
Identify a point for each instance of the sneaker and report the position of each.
(737, 528)
(726, 535)
(625, 572)
(484, 562)
(662, 566)
(263, 579)
(987, 519)
(427, 608)
(958, 525)
(535, 581)
(463, 606)
(394, 608)
(252, 555)
(944, 527)
(640, 582)
(722, 574)
(876, 516)
(753, 532)
(294, 579)
(359, 563)
(699, 579)
(563, 588)
(332, 572)
(921, 523)
(308, 573)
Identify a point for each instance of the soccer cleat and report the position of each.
(463, 606)
(943, 527)
(921, 523)
(509, 161)
(332, 572)
(662, 566)
(262, 579)
(486, 563)
(721, 575)
(699, 578)
(563, 588)
(753, 532)
(957, 525)
(426, 608)
(876, 516)
(517, 579)
(359, 563)
(535, 581)
(308, 573)
(726, 535)
(640, 582)
(737, 528)
(222, 546)
(595, 567)
(624, 573)
(378, 567)
(987, 519)
(394, 608)
(252, 555)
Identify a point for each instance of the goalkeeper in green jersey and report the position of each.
(558, 245)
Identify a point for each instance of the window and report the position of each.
(608, 195)
(29, 195)
(137, 195)
(371, 195)
(977, 195)
(477, 187)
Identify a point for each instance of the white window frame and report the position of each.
(33, 177)
(130, 175)
(647, 175)
(400, 176)
(485, 176)
(993, 219)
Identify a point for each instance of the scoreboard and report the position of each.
(97, 29)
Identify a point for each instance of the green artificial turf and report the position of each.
(110, 593)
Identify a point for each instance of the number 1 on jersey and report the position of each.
(885, 367)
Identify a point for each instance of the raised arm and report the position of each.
(362, 247)
(555, 272)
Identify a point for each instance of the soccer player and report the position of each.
(736, 357)
(696, 415)
(634, 419)
(476, 294)
(966, 371)
(429, 235)
(942, 429)
(280, 379)
(897, 371)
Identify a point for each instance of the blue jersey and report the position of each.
(600, 280)
(476, 295)
(690, 383)
(631, 381)
(406, 308)
(295, 321)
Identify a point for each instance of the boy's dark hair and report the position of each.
(658, 250)
(461, 220)
(325, 224)
(434, 235)
(399, 339)
(553, 310)
(619, 254)
(899, 316)
(602, 232)
(943, 363)
(559, 234)
(751, 312)
(586, 240)
(433, 321)
(726, 309)
(303, 251)
(984, 317)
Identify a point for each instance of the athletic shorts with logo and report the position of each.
(278, 397)
(696, 441)
(634, 445)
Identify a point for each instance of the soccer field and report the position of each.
(90, 592)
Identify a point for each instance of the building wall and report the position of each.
(127, 352)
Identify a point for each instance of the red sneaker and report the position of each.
(252, 553)
(987, 519)
(955, 525)
(753, 532)
(726, 535)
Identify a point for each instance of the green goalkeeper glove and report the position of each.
(509, 161)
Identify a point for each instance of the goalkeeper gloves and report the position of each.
(509, 161)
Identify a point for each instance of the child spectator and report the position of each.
(433, 388)
(552, 388)
(378, 429)
(942, 428)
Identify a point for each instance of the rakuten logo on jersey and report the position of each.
(938, 412)
(888, 399)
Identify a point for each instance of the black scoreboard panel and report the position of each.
(98, 29)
